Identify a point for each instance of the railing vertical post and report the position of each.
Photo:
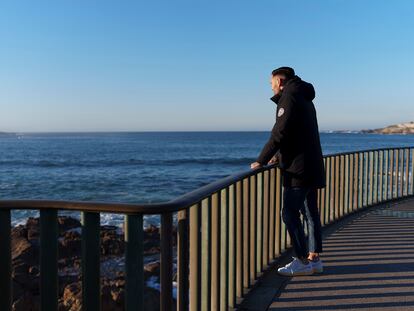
(224, 254)
(344, 185)
(401, 173)
(381, 175)
(322, 201)
(195, 257)
(259, 223)
(215, 252)
(278, 205)
(406, 178)
(347, 184)
(366, 178)
(395, 177)
(327, 190)
(332, 190)
(356, 181)
(360, 180)
(397, 173)
(206, 255)
(134, 262)
(240, 241)
(392, 171)
(363, 177)
(272, 222)
(182, 261)
(371, 178)
(337, 186)
(391, 177)
(342, 188)
(5, 260)
(412, 171)
(375, 198)
(91, 289)
(319, 203)
(48, 260)
(385, 174)
(351, 183)
(233, 244)
(166, 277)
(376, 176)
(246, 232)
(266, 195)
(253, 226)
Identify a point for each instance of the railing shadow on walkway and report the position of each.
(228, 232)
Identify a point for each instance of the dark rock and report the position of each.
(152, 250)
(112, 243)
(108, 303)
(34, 270)
(70, 244)
(19, 232)
(32, 226)
(21, 275)
(64, 281)
(72, 297)
(22, 249)
(152, 300)
(67, 223)
(26, 302)
(153, 267)
(25, 265)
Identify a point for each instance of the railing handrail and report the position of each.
(367, 150)
(180, 203)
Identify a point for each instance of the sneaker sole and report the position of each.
(296, 273)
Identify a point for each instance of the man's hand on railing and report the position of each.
(255, 165)
(273, 160)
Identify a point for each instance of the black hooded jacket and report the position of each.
(295, 136)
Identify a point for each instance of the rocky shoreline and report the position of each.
(25, 266)
(402, 128)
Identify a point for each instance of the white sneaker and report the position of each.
(296, 267)
(317, 266)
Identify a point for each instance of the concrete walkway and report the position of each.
(369, 265)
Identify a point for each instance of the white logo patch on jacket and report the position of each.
(280, 112)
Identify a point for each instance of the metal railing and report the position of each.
(228, 232)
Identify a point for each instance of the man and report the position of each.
(295, 139)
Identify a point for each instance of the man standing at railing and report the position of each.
(295, 139)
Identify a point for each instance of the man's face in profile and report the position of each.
(276, 83)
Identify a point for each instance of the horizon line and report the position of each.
(153, 131)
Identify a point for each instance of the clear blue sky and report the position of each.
(201, 65)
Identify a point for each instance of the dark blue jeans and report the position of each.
(303, 200)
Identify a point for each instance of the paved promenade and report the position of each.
(369, 265)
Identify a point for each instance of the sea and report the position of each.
(138, 167)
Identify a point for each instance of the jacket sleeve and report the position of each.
(280, 131)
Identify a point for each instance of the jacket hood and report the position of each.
(297, 85)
